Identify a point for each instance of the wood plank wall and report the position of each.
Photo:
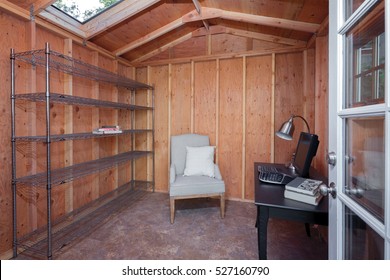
(31, 211)
(238, 102)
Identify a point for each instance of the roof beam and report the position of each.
(149, 37)
(209, 13)
(265, 37)
(198, 8)
(115, 15)
(40, 5)
(164, 48)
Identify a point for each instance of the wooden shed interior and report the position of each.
(234, 70)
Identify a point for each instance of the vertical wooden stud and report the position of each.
(169, 114)
(273, 110)
(68, 127)
(217, 111)
(192, 96)
(95, 124)
(243, 167)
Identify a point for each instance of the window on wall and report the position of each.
(82, 10)
(365, 46)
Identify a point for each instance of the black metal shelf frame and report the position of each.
(53, 61)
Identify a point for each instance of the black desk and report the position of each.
(270, 202)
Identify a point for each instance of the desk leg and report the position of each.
(262, 224)
(307, 228)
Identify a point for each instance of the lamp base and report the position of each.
(290, 166)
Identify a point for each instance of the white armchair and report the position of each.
(188, 151)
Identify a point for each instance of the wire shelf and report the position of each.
(77, 136)
(72, 66)
(77, 100)
(83, 220)
(67, 174)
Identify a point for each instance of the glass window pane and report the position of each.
(82, 10)
(365, 163)
(365, 60)
(361, 241)
(351, 6)
(365, 55)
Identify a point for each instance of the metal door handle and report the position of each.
(325, 190)
(331, 158)
(358, 192)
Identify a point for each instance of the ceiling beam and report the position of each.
(164, 48)
(40, 5)
(149, 37)
(209, 13)
(265, 37)
(220, 56)
(322, 31)
(115, 15)
(198, 8)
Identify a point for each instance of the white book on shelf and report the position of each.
(97, 131)
(310, 199)
(304, 185)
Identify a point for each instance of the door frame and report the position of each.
(337, 136)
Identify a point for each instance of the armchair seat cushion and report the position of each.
(196, 185)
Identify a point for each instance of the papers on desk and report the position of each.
(303, 190)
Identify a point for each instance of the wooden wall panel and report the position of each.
(258, 116)
(229, 146)
(181, 99)
(321, 102)
(289, 99)
(124, 121)
(225, 43)
(108, 146)
(84, 189)
(159, 76)
(9, 27)
(141, 121)
(205, 99)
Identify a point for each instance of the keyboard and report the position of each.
(270, 174)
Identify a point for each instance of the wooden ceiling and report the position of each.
(149, 30)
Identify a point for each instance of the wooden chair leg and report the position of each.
(222, 206)
(172, 207)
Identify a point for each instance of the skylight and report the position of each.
(82, 10)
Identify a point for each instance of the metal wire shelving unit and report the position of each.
(40, 241)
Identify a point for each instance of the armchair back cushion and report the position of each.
(179, 151)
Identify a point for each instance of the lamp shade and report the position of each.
(286, 131)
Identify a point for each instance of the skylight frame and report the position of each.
(90, 18)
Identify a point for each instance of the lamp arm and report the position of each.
(297, 116)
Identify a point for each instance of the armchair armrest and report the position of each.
(172, 174)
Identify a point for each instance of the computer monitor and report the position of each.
(306, 150)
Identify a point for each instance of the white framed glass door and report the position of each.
(359, 215)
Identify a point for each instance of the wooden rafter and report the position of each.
(164, 48)
(198, 8)
(40, 5)
(149, 37)
(209, 13)
(265, 37)
(115, 15)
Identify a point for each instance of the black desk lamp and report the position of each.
(286, 132)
